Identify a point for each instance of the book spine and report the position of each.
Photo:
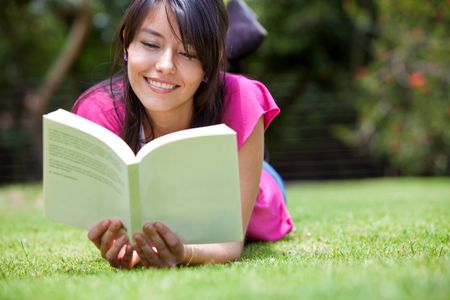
(135, 202)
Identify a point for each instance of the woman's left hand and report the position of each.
(159, 247)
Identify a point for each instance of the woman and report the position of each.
(173, 52)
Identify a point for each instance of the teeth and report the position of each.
(160, 85)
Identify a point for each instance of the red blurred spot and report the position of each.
(360, 72)
(416, 80)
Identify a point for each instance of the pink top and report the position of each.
(245, 102)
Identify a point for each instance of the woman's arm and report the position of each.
(170, 250)
(251, 156)
(158, 247)
(250, 164)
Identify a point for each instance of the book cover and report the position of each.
(188, 180)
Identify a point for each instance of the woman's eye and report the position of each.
(150, 45)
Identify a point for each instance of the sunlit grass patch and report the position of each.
(370, 239)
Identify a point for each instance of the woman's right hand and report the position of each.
(111, 239)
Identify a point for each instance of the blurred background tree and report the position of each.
(363, 84)
(308, 61)
(51, 50)
(402, 98)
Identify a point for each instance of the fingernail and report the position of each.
(138, 240)
(116, 226)
(148, 227)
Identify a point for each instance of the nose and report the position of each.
(165, 63)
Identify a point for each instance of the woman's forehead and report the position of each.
(161, 20)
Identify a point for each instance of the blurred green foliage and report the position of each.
(371, 73)
(402, 97)
(374, 74)
(308, 61)
(32, 34)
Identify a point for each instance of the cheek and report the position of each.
(194, 74)
(132, 74)
(138, 60)
(137, 63)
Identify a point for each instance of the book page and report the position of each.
(204, 131)
(84, 180)
(192, 186)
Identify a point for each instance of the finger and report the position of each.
(135, 258)
(113, 254)
(142, 257)
(97, 231)
(108, 237)
(147, 251)
(172, 241)
(157, 241)
(126, 260)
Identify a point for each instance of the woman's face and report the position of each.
(161, 74)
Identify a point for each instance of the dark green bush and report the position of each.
(402, 97)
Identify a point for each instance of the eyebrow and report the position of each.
(152, 32)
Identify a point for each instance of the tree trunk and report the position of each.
(37, 102)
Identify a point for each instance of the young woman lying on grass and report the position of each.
(173, 56)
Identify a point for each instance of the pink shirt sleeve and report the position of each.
(246, 101)
(98, 106)
(270, 220)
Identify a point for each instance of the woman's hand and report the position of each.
(112, 241)
(159, 247)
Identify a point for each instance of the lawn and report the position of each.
(367, 239)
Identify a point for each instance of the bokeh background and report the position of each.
(363, 84)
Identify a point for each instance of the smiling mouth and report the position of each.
(160, 85)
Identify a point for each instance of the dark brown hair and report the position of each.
(203, 25)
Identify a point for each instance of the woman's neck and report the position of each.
(164, 123)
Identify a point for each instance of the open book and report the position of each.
(188, 180)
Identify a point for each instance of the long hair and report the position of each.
(202, 24)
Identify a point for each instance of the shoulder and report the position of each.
(242, 93)
(241, 86)
(245, 102)
(102, 105)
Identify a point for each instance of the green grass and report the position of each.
(370, 239)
